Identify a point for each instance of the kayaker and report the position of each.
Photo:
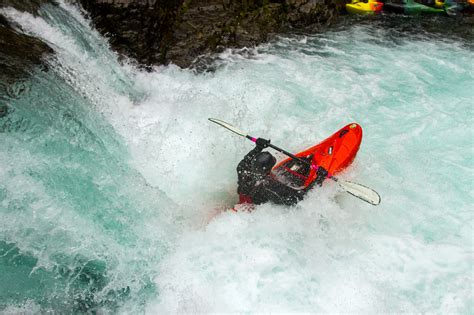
(257, 186)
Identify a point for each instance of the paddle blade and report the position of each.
(364, 193)
(228, 126)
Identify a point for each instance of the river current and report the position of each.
(114, 185)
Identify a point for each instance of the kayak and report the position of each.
(305, 168)
(360, 7)
(334, 154)
(413, 7)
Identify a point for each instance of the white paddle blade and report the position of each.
(228, 126)
(365, 193)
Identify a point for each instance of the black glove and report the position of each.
(321, 175)
(262, 143)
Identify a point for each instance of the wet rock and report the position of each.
(136, 29)
(30, 6)
(19, 53)
(159, 31)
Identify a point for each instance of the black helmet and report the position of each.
(264, 162)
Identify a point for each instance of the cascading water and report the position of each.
(112, 180)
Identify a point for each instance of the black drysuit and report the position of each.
(261, 188)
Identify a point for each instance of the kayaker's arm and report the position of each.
(321, 175)
(246, 163)
(245, 176)
(277, 193)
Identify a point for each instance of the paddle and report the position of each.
(357, 190)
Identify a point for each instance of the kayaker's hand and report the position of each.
(321, 175)
(263, 143)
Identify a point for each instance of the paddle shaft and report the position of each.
(282, 151)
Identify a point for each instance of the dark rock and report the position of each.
(178, 31)
(19, 52)
(30, 6)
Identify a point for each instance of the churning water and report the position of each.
(113, 182)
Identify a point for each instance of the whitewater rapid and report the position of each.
(114, 185)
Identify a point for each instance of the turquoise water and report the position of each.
(113, 183)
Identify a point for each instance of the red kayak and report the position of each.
(334, 154)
